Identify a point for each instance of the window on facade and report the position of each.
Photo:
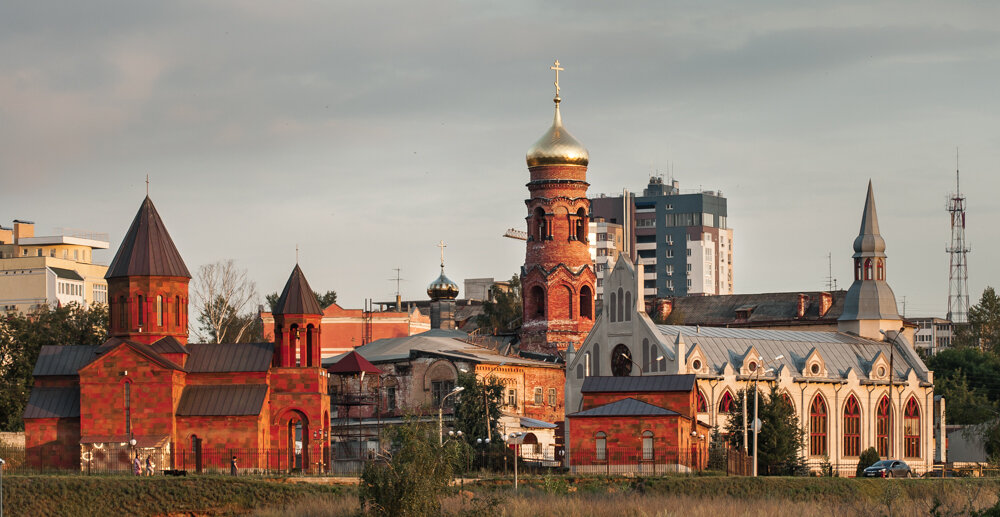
(911, 429)
(159, 311)
(553, 398)
(670, 253)
(621, 305)
(817, 427)
(568, 293)
(702, 404)
(621, 361)
(647, 445)
(726, 403)
(122, 313)
(883, 425)
(628, 306)
(868, 269)
(852, 427)
(439, 389)
(390, 398)
(539, 396)
(612, 303)
(177, 311)
(586, 302)
(127, 404)
(538, 230)
(581, 225)
(601, 446)
(880, 270)
(512, 397)
(140, 310)
(538, 298)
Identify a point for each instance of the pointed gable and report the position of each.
(147, 249)
(297, 297)
(353, 362)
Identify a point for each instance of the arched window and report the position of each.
(611, 306)
(597, 360)
(857, 269)
(581, 225)
(569, 302)
(538, 299)
(883, 427)
(177, 315)
(127, 406)
(309, 345)
(601, 446)
(628, 306)
(702, 405)
(141, 310)
(122, 313)
(880, 269)
(647, 445)
(788, 400)
(726, 403)
(868, 269)
(911, 429)
(621, 305)
(293, 345)
(650, 349)
(817, 427)
(852, 427)
(159, 311)
(538, 230)
(586, 303)
(621, 361)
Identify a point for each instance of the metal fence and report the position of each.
(639, 461)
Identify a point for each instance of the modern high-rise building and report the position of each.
(681, 238)
(606, 241)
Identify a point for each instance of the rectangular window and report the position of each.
(689, 251)
(390, 398)
(552, 397)
(128, 408)
(538, 397)
(670, 253)
(76, 254)
(512, 397)
(159, 311)
(439, 389)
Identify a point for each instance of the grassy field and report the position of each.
(556, 496)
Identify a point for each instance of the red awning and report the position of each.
(353, 363)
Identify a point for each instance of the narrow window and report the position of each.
(868, 269)
(647, 445)
(601, 446)
(512, 397)
(628, 306)
(852, 427)
(581, 225)
(552, 397)
(726, 404)
(569, 303)
(911, 429)
(883, 426)
(702, 404)
(880, 270)
(140, 310)
(586, 302)
(817, 427)
(159, 311)
(122, 313)
(177, 312)
(611, 307)
(390, 398)
(127, 403)
(538, 298)
(310, 330)
(621, 305)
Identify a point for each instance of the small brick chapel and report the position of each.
(148, 392)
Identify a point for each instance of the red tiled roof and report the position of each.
(353, 363)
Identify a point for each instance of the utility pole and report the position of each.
(958, 250)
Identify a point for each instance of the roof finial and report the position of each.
(442, 245)
(557, 68)
(147, 185)
(296, 253)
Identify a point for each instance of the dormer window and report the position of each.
(814, 369)
(696, 365)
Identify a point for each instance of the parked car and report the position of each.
(889, 468)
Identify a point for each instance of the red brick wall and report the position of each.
(343, 330)
(671, 437)
(225, 432)
(683, 402)
(149, 287)
(544, 378)
(53, 443)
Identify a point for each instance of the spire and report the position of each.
(147, 249)
(557, 146)
(869, 242)
(297, 297)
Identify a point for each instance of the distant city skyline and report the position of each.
(365, 134)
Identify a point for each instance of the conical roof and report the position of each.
(557, 147)
(297, 297)
(147, 249)
(869, 242)
(353, 362)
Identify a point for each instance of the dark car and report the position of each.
(889, 468)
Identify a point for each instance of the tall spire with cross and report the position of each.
(558, 69)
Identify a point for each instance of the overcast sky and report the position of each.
(365, 132)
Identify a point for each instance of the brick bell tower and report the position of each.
(148, 283)
(557, 280)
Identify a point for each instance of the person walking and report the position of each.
(150, 466)
(136, 466)
(233, 469)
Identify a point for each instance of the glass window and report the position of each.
(883, 426)
(512, 397)
(552, 397)
(390, 398)
(852, 427)
(601, 446)
(817, 427)
(439, 389)
(647, 445)
(911, 429)
(539, 395)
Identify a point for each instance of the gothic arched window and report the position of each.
(880, 269)
(817, 427)
(621, 305)
(911, 429)
(621, 361)
(868, 269)
(726, 403)
(581, 225)
(586, 303)
(538, 299)
(628, 306)
(702, 404)
(883, 426)
(852, 427)
(612, 303)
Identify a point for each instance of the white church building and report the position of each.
(858, 387)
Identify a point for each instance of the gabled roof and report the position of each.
(229, 357)
(352, 362)
(147, 249)
(68, 274)
(215, 400)
(626, 407)
(53, 403)
(297, 297)
(168, 345)
(605, 384)
(62, 360)
(756, 309)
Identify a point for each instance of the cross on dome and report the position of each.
(557, 68)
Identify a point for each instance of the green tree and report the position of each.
(21, 338)
(409, 479)
(983, 329)
(781, 439)
(969, 380)
(503, 313)
(325, 300)
(868, 458)
(479, 399)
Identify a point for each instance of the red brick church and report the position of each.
(147, 391)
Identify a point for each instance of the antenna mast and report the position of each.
(958, 269)
(399, 299)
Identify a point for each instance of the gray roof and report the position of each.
(626, 407)
(764, 308)
(840, 351)
(446, 343)
(147, 249)
(68, 274)
(62, 359)
(234, 400)
(53, 403)
(297, 297)
(606, 384)
(168, 345)
(229, 357)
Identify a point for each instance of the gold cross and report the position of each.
(557, 69)
(442, 245)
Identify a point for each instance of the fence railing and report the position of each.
(645, 461)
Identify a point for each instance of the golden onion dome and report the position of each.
(442, 288)
(557, 146)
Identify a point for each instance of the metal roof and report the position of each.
(68, 274)
(353, 362)
(231, 400)
(147, 249)
(168, 345)
(297, 297)
(229, 357)
(626, 407)
(763, 308)
(53, 403)
(840, 351)
(606, 384)
(448, 343)
(62, 359)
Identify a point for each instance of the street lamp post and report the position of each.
(756, 399)
(2, 463)
(623, 354)
(441, 414)
(892, 349)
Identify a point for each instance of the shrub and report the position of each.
(867, 459)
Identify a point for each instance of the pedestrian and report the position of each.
(136, 467)
(232, 467)
(150, 466)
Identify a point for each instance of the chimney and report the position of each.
(825, 302)
(23, 230)
(800, 308)
(664, 306)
